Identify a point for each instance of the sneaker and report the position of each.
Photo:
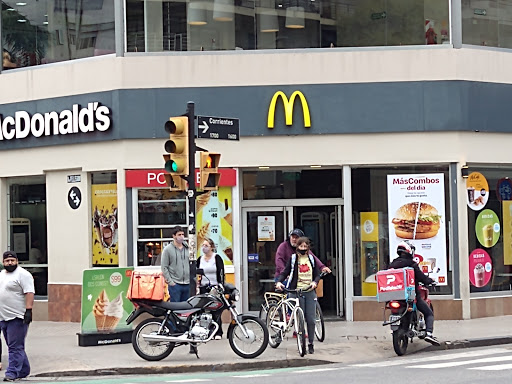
(311, 349)
(218, 337)
(9, 379)
(431, 339)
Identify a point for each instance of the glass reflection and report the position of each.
(46, 31)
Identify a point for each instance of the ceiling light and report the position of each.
(21, 4)
(315, 166)
(11, 9)
(45, 23)
(22, 21)
(263, 167)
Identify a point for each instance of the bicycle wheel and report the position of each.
(319, 323)
(264, 308)
(300, 331)
(274, 330)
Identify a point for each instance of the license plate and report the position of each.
(393, 318)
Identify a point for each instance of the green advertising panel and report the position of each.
(104, 303)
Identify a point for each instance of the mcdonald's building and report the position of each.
(361, 149)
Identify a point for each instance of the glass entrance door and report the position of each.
(265, 229)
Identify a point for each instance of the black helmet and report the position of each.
(405, 247)
(297, 232)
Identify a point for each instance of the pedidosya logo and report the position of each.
(115, 279)
(78, 119)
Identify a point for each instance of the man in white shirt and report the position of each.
(16, 301)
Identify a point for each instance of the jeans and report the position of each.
(179, 292)
(427, 313)
(308, 304)
(15, 332)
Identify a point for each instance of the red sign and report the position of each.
(395, 280)
(154, 178)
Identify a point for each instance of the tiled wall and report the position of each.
(64, 302)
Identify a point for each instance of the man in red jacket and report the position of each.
(287, 248)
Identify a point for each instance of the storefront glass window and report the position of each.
(158, 212)
(291, 184)
(375, 236)
(490, 228)
(487, 23)
(27, 228)
(44, 31)
(209, 25)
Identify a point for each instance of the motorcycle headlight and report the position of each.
(235, 295)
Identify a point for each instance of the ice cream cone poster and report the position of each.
(417, 212)
(104, 228)
(105, 307)
(487, 228)
(477, 190)
(215, 221)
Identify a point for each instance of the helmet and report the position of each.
(405, 247)
(297, 232)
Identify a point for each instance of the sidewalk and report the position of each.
(53, 349)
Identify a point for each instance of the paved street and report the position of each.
(491, 364)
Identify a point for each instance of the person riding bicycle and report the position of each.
(304, 274)
(405, 251)
(287, 248)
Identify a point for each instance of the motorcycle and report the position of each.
(406, 321)
(192, 323)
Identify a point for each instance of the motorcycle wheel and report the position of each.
(400, 342)
(300, 330)
(252, 346)
(319, 323)
(151, 350)
(274, 332)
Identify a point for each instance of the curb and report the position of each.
(227, 367)
(472, 343)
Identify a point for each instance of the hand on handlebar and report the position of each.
(313, 285)
(326, 270)
(279, 286)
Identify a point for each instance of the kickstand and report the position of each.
(193, 349)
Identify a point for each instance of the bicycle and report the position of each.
(278, 322)
(276, 297)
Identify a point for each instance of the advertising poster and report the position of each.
(487, 228)
(105, 307)
(507, 232)
(215, 221)
(104, 228)
(416, 212)
(480, 268)
(477, 190)
(504, 189)
(266, 228)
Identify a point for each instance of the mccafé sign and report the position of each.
(78, 119)
(288, 108)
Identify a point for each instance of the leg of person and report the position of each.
(1, 331)
(217, 317)
(184, 291)
(174, 293)
(429, 321)
(309, 314)
(15, 332)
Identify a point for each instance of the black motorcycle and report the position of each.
(192, 323)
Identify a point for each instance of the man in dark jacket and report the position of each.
(405, 251)
(287, 248)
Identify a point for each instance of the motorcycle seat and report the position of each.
(175, 306)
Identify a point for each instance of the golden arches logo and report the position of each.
(288, 108)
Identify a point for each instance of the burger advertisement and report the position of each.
(416, 212)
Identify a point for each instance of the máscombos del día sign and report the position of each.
(78, 119)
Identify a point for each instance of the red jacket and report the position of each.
(284, 253)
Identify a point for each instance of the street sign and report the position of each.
(480, 12)
(222, 128)
(379, 15)
(74, 178)
(74, 197)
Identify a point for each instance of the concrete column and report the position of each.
(153, 26)
(463, 245)
(347, 242)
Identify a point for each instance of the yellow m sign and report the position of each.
(288, 108)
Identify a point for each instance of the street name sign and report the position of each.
(221, 128)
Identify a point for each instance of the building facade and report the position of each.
(347, 112)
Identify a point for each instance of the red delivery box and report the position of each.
(396, 284)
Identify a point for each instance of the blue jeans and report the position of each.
(179, 292)
(15, 332)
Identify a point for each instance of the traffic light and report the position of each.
(175, 183)
(209, 173)
(177, 162)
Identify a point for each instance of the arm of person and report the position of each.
(220, 269)
(165, 267)
(284, 274)
(420, 276)
(321, 266)
(29, 300)
(280, 259)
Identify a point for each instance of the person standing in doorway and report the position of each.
(175, 266)
(213, 267)
(16, 301)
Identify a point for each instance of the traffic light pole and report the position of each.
(191, 195)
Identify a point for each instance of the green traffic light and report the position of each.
(171, 166)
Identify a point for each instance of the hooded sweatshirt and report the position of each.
(284, 253)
